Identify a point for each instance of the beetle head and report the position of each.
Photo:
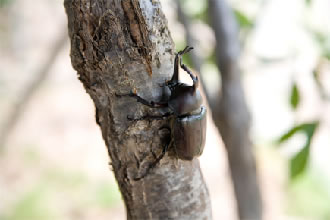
(185, 100)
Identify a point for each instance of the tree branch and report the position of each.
(118, 47)
(230, 112)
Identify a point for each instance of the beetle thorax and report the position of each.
(184, 100)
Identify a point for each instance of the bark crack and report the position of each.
(138, 31)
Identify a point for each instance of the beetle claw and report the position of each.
(154, 164)
(129, 118)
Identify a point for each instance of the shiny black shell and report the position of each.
(189, 134)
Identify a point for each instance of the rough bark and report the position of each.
(120, 46)
(231, 115)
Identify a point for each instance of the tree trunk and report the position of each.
(122, 46)
(230, 113)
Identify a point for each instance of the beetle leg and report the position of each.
(184, 67)
(153, 164)
(143, 101)
(192, 76)
(167, 145)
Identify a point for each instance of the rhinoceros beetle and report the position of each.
(188, 122)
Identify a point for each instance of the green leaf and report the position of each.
(307, 128)
(299, 162)
(295, 96)
(286, 136)
(310, 128)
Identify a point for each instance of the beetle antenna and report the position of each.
(185, 50)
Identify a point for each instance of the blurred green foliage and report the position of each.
(321, 89)
(310, 197)
(4, 3)
(323, 42)
(196, 9)
(105, 195)
(243, 20)
(32, 205)
(186, 59)
(295, 96)
(56, 184)
(298, 163)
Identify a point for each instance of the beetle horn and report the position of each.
(177, 63)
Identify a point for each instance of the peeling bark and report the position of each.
(120, 46)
